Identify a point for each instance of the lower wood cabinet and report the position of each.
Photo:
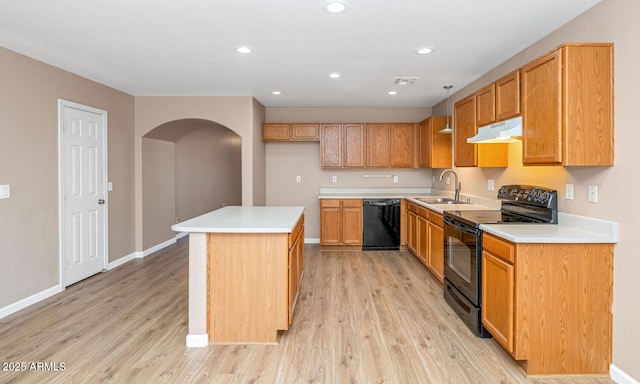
(341, 222)
(425, 238)
(549, 305)
(296, 265)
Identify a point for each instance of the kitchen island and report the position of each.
(245, 269)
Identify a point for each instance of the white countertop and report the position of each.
(234, 219)
(570, 229)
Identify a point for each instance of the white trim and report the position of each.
(105, 178)
(122, 260)
(33, 299)
(312, 240)
(181, 235)
(620, 377)
(197, 341)
(158, 247)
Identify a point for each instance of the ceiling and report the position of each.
(188, 47)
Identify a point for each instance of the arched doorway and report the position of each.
(189, 167)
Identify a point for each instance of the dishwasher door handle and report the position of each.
(381, 203)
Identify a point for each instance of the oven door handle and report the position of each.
(461, 226)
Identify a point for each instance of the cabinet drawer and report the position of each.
(498, 247)
(436, 219)
(412, 208)
(329, 203)
(352, 203)
(423, 212)
(305, 132)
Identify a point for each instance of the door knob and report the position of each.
(101, 201)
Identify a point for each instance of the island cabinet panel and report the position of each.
(549, 305)
(377, 146)
(253, 282)
(434, 149)
(567, 107)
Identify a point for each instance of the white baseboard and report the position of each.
(122, 260)
(197, 341)
(158, 247)
(312, 241)
(620, 377)
(33, 299)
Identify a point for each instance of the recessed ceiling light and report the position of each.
(336, 6)
(334, 75)
(244, 49)
(392, 93)
(276, 93)
(424, 51)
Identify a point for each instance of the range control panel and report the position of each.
(540, 196)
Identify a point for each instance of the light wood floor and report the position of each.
(362, 317)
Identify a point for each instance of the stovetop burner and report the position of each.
(520, 204)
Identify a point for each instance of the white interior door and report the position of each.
(83, 200)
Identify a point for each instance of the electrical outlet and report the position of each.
(298, 179)
(109, 186)
(334, 179)
(395, 179)
(568, 191)
(490, 185)
(433, 179)
(593, 193)
(5, 191)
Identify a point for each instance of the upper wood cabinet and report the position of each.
(291, 132)
(331, 145)
(508, 96)
(377, 146)
(403, 145)
(434, 149)
(465, 126)
(342, 145)
(567, 107)
(486, 99)
(353, 155)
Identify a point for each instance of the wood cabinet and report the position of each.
(341, 222)
(486, 108)
(425, 238)
(434, 149)
(377, 146)
(291, 132)
(549, 305)
(465, 126)
(342, 145)
(402, 147)
(508, 96)
(567, 107)
(296, 265)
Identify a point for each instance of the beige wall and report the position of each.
(236, 113)
(29, 239)
(610, 21)
(208, 172)
(285, 161)
(159, 192)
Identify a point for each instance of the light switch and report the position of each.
(298, 179)
(109, 186)
(395, 179)
(490, 185)
(5, 191)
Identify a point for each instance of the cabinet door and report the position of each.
(435, 259)
(293, 277)
(330, 222)
(423, 239)
(276, 132)
(508, 96)
(402, 149)
(377, 148)
(424, 143)
(331, 145)
(412, 234)
(486, 99)
(498, 288)
(352, 222)
(305, 132)
(542, 110)
(464, 115)
(353, 145)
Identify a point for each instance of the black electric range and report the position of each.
(463, 244)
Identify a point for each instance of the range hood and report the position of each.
(498, 133)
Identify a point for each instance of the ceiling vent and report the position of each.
(405, 80)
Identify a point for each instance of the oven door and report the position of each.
(462, 252)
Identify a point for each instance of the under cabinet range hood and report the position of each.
(498, 133)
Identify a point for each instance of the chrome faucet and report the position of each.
(457, 184)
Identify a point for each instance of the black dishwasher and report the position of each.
(381, 224)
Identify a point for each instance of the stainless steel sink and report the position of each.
(441, 200)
